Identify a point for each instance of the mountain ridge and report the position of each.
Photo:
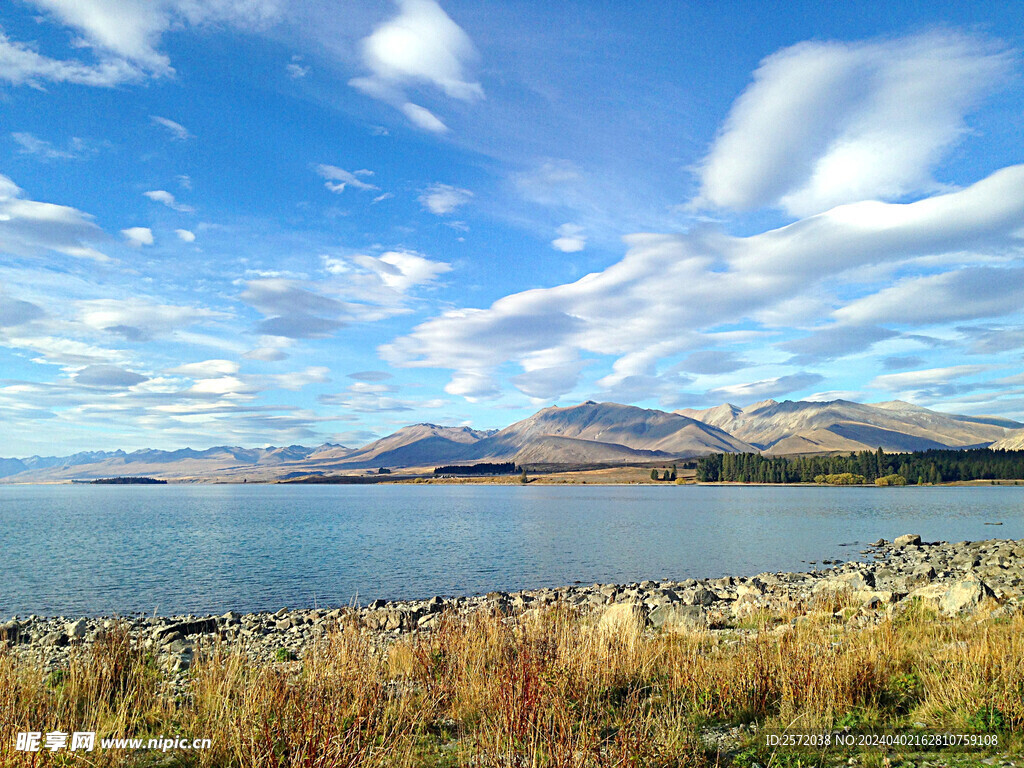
(588, 432)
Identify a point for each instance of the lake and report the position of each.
(85, 549)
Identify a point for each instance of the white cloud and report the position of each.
(141, 319)
(294, 311)
(369, 289)
(423, 117)
(124, 35)
(31, 228)
(633, 310)
(33, 145)
(185, 235)
(743, 394)
(367, 397)
(21, 65)
(207, 369)
(55, 350)
(570, 239)
(442, 199)
(419, 46)
(138, 236)
(397, 270)
(178, 131)
(127, 28)
(108, 377)
(826, 123)
(295, 69)
(912, 380)
(339, 178)
(166, 198)
(266, 354)
(965, 294)
(15, 312)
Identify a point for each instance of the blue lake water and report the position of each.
(83, 549)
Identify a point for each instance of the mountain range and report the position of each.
(588, 433)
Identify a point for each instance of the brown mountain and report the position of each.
(418, 445)
(841, 425)
(607, 429)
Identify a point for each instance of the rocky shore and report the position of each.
(949, 578)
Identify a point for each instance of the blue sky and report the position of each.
(263, 222)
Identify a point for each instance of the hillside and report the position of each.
(417, 445)
(1014, 441)
(608, 428)
(842, 425)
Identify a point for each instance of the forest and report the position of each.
(483, 468)
(918, 468)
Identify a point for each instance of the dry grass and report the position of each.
(552, 688)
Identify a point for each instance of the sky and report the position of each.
(260, 222)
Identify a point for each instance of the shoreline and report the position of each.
(880, 661)
(952, 578)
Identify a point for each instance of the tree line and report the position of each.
(917, 468)
(483, 468)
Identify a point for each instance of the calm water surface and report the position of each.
(83, 549)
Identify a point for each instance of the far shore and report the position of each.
(614, 476)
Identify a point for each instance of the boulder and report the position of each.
(874, 599)
(923, 574)
(703, 596)
(10, 632)
(906, 540)
(931, 595)
(964, 596)
(77, 629)
(678, 618)
(754, 588)
(857, 579)
(385, 619)
(185, 628)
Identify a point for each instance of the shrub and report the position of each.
(891, 480)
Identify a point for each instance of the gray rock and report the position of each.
(77, 629)
(10, 632)
(703, 596)
(858, 579)
(675, 618)
(385, 620)
(964, 595)
(184, 628)
(923, 574)
(906, 540)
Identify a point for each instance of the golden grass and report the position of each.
(551, 688)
